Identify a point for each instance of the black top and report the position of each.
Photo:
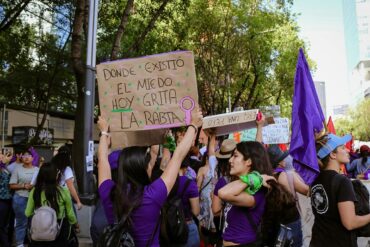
(328, 229)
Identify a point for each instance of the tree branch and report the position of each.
(121, 29)
(138, 42)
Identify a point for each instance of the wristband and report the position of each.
(254, 182)
(195, 128)
(104, 133)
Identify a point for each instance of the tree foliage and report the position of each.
(356, 122)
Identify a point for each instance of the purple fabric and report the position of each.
(220, 183)
(307, 118)
(190, 192)
(237, 226)
(279, 169)
(113, 159)
(35, 156)
(104, 192)
(146, 216)
(2, 165)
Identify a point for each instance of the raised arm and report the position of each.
(172, 169)
(260, 123)
(104, 172)
(234, 193)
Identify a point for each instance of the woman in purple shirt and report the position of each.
(238, 230)
(135, 195)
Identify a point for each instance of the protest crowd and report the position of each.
(197, 188)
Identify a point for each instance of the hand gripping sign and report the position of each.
(142, 96)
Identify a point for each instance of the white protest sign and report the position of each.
(276, 133)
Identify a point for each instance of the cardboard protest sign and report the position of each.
(231, 122)
(142, 96)
(276, 133)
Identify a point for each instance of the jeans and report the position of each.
(193, 237)
(296, 227)
(5, 212)
(19, 206)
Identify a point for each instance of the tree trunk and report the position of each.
(138, 42)
(79, 70)
(121, 29)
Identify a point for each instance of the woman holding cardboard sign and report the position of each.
(135, 196)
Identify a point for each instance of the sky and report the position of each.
(321, 24)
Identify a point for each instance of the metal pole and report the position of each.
(3, 129)
(87, 192)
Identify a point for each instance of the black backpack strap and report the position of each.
(209, 181)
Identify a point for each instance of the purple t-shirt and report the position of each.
(146, 216)
(190, 192)
(237, 228)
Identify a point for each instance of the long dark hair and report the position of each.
(47, 182)
(133, 163)
(258, 155)
(277, 197)
(62, 159)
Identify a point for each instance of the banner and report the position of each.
(146, 94)
(231, 122)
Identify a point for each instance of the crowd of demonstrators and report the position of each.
(221, 206)
(19, 182)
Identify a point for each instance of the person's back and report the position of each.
(328, 229)
(48, 193)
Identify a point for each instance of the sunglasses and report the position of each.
(26, 156)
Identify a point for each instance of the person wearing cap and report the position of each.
(361, 165)
(293, 183)
(223, 173)
(335, 216)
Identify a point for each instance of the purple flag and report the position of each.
(307, 119)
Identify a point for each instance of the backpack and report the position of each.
(116, 235)
(270, 231)
(174, 229)
(362, 206)
(44, 225)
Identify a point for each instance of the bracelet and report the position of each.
(195, 128)
(104, 133)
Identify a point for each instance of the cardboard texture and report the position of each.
(141, 97)
(231, 122)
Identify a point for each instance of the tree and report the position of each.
(35, 63)
(245, 51)
(356, 122)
